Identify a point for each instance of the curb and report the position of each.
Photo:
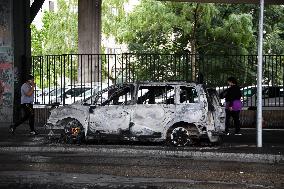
(195, 155)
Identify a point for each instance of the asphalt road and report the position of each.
(105, 170)
(24, 165)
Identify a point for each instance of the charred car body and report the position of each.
(176, 112)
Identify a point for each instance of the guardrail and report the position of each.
(67, 78)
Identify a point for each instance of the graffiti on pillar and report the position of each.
(2, 88)
(6, 62)
(5, 20)
(6, 84)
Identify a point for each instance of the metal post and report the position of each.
(259, 76)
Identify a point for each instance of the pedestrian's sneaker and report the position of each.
(33, 133)
(12, 129)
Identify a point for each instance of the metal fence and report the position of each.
(67, 78)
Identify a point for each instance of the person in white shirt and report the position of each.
(27, 99)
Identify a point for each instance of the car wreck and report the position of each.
(179, 113)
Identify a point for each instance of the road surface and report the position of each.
(113, 170)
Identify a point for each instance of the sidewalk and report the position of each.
(234, 148)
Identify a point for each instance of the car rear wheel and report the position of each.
(179, 136)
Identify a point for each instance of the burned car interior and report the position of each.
(120, 96)
(146, 95)
(155, 95)
(188, 95)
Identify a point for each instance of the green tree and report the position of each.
(273, 39)
(36, 41)
(172, 28)
(199, 29)
(58, 35)
(112, 14)
(167, 27)
(273, 24)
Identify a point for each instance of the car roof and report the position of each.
(146, 83)
(157, 83)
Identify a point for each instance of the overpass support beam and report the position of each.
(15, 47)
(89, 37)
(36, 6)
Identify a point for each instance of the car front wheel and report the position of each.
(73, 132)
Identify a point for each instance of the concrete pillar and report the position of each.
(22, 49)
(89, 37)
(6, 62)
(15, 47)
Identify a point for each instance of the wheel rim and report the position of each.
(180, 136)
(73, 129)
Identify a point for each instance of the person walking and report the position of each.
(27, 99)
(233, 103)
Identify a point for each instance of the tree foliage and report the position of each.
(175, 27)
(156, 26)
(112, 14)
(59, 34)
(201, 29)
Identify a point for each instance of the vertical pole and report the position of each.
(259, 76)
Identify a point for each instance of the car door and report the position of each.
(189, 107)
(154, 108)
(218, 112)
(113, 111)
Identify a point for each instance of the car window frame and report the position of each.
(198, 95)
(152, 85)
(115, 87)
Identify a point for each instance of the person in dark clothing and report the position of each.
(232, 97)
(27, 99)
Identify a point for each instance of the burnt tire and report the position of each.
(179, 136)
(73, 132)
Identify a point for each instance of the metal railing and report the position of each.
(68, 78)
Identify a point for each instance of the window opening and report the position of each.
(116, 96)
(156, 95)
(188, 95)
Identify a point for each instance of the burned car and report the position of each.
(179, 113)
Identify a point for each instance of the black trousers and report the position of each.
(236, 117)
(28, 115)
